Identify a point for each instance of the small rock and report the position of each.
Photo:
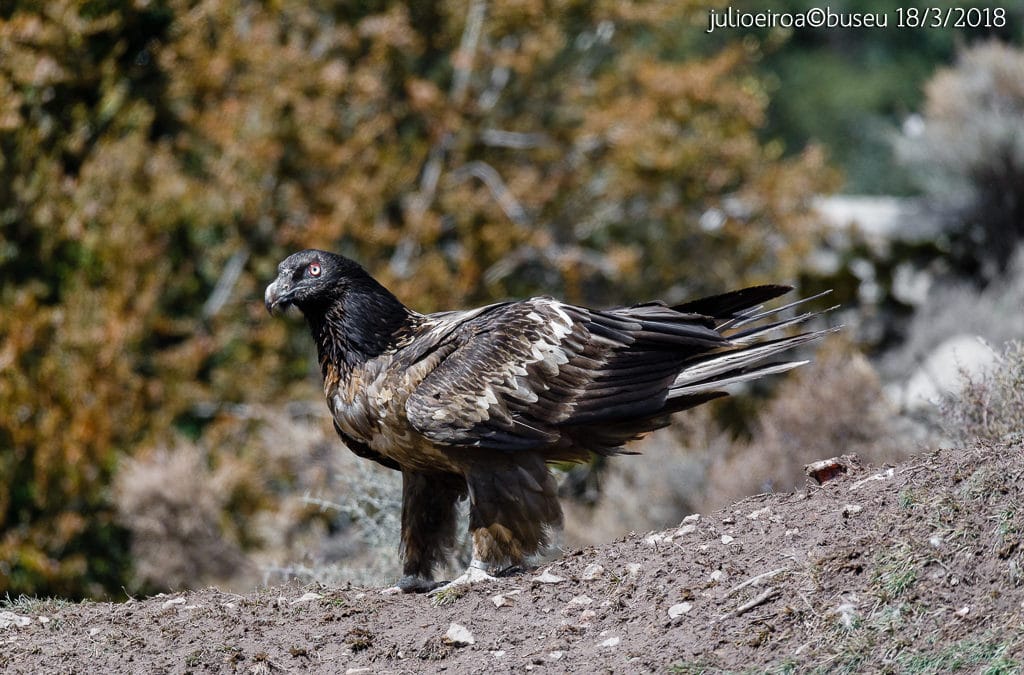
(692, 518)
(794, 531)
(500, 600)
(717, 575)
(851, 510)
(592, 571)
(963, 611)
(172, 602)
(760, 513)
(504, 599)
(825, 470)
(726, 539)
(310, 595)
(10, 619)
(556, 655)
(653, 539)
(633, 569)
(610, 642)
(686, 529)
(43, 619)
(935, 540)
(581, 600)
(676, 611)
(548, 578)
(498, 653)
(459, 636)
(728, 520)
(357, 671)
(882, 475)
(586, 616)
(94, 631)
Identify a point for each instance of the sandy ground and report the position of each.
(913, 568)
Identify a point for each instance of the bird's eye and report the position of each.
(314, 269)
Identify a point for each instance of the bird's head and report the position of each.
(310, 278)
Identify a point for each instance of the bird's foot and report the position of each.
(475, 573)
(412, 583)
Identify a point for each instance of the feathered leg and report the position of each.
(513, 510)
(429, 510)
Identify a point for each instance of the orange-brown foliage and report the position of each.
(158, 158)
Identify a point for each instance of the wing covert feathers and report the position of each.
(541, 375)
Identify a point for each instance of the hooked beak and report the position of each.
(277, 297)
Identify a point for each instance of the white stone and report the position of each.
(310, 595)
(548, 578)
(500, 600)
(10, 619)
(459, 635)
(677, 610)
(172, 602)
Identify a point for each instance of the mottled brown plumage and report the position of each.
(474, 404)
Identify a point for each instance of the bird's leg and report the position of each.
(429, 508)
(513, 508)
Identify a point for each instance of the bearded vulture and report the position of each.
(475, 403)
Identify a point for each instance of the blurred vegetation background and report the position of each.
(159, 157)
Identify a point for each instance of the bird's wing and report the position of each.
(524, 371)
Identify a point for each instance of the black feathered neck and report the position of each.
(359, 320)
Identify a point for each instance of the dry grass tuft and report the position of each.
(989, 408)
(275, 497)
(173, 504)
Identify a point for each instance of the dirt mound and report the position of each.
(917, 567)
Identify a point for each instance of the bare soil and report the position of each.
(912, 568)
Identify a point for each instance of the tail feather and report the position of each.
(751, 334)
(726, 380)
(755, 314)
(714, 370)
